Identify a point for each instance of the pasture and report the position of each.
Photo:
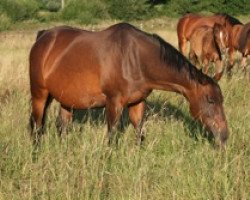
(176, 161)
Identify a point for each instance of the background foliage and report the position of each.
(176, 161)
(89, 12)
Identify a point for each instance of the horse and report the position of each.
(241, 42)
(206, 45)
(116, 68)
(189, 22)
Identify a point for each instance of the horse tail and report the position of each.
(38, 56)
(244, 37)
(39, 34)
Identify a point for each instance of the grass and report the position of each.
(175, 162)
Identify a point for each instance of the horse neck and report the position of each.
(163, 78)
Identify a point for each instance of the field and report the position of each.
(175, 162)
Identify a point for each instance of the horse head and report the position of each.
(206, 105)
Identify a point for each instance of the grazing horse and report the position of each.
(206, 44)
(189, 22)
(241, 42)
(116, 68)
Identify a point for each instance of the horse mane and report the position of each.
(245, 34)
(177, 62)
(228, 18)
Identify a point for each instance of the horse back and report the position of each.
(190, 22)
(88, 65)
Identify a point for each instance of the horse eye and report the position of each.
(210, 100)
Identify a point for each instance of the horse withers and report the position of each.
(116, 68)
(206, 45)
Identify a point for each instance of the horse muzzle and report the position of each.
(220, 133)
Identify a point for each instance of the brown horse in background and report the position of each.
(206, 44)
(241, 42)
(116, 68)
(189, 22)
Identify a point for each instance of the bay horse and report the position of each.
(116, 68)
(189, 22)
(241, 42)
(206, 45)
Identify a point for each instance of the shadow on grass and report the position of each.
(192, 128)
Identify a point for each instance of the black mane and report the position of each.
(233, 21)
(170, 55)
(174, 59)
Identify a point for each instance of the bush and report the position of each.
(18, 10)
(128, 9)
(84, 11)
(5, 21)
(50, 5)
(180, 7)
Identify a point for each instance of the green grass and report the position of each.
(175, 162)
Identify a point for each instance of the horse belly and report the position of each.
(81, 100)
(81, 92)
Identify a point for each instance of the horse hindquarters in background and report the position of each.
(244, 44)
(190, 22)
(206, 44)
(240, 35)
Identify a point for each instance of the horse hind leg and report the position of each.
(243, 63)
(136, 116)
(182, 42)
(193, 58)
(63, 120)
(40, 103)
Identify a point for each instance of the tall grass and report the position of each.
(175, 162)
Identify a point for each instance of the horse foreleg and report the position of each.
(206, 65)
(218, 70)
(230, 63)
(136, 115)
(243, 63)
(40, 102)
(64, 118)
(113, 111)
